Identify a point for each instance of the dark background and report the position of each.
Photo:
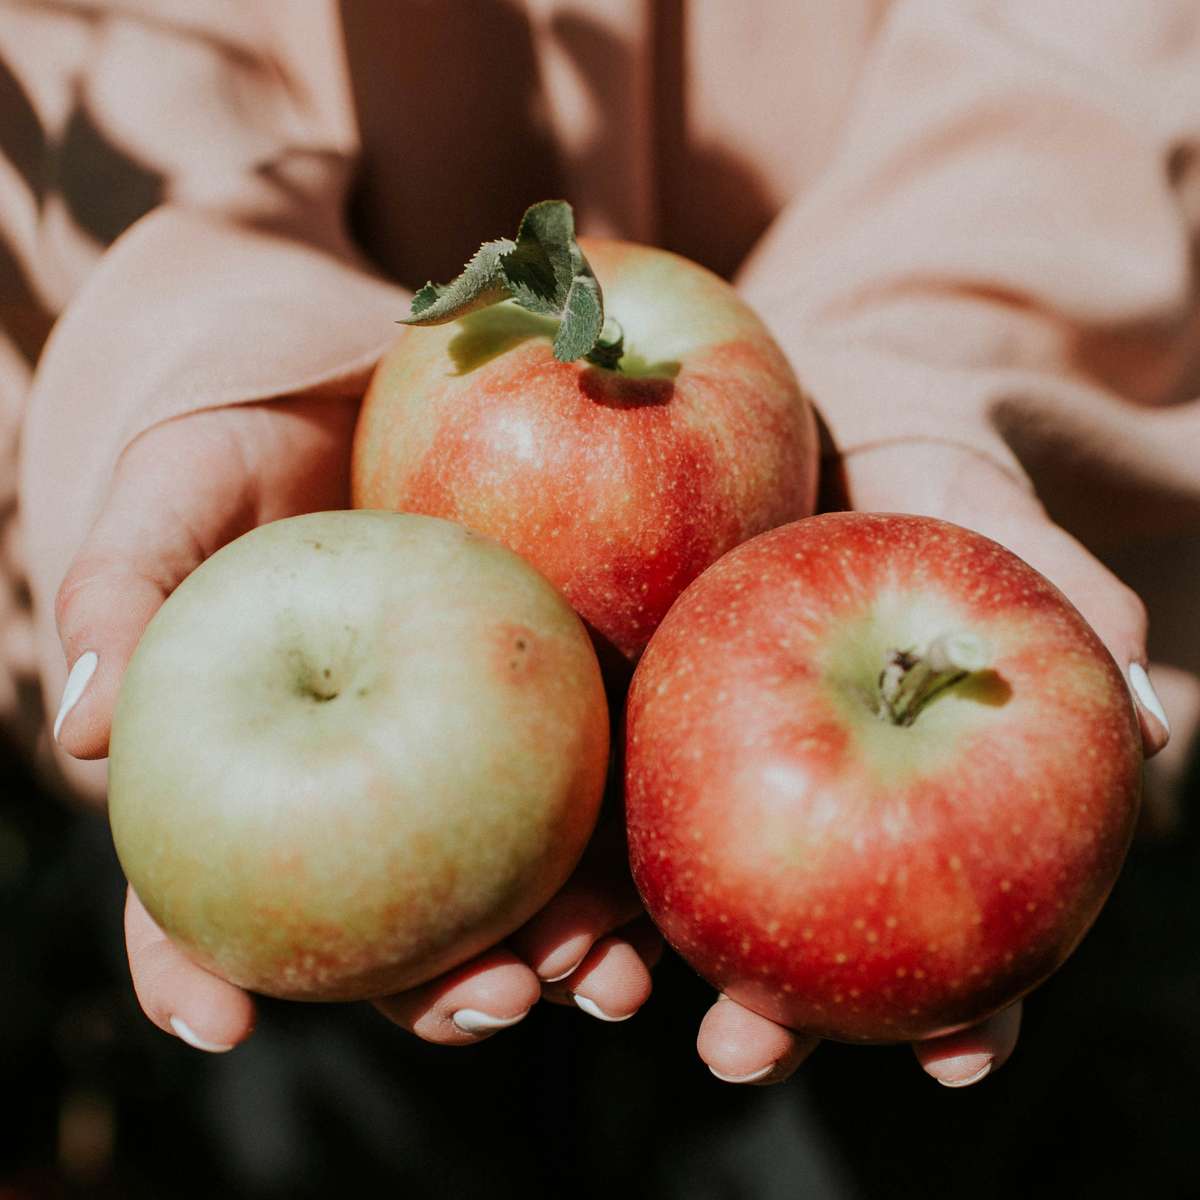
(1102, 1097)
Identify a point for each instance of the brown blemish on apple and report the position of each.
(518, 653)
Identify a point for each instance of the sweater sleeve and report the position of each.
(999, 252)
(237, 283)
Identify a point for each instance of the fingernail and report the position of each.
(594, 1010)
(753, 1077)
(962, 1071)
(1143, 689)
(562, 974)
(80, 676)
(565, 960)
(471, 1020)
(188, 1034)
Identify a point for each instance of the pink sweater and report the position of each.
(971, 221)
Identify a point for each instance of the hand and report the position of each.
(182, 490)
(961, 486)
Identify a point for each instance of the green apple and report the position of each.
(352, 750)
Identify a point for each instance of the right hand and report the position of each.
(180, 492)
(957, 485)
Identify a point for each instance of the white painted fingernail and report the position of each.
(80, 676)
(960, 1081)
(753, 1077)
(188, 1034)
(471, 1020)
(594, 1010)
(563, 974)
(1144, 690)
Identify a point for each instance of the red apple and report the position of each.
(352, 750)
(622, 483)
(881, 776)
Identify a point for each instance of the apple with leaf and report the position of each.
(619, 439)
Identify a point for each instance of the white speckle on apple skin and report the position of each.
(1019, 824)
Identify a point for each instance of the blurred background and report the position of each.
(1101, 1099)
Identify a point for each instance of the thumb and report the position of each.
(1109, 606)
(169, 506)
(969, 490)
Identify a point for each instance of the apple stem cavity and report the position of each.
(910, 679)
(317, 685)
(543, 271)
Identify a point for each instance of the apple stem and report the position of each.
(609, 349)
(910, 679)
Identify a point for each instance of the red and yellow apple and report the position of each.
(352, 750)
(881, 776)
(620, 484)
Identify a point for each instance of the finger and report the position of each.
(613, 981)
(739, 1046)
(491, 992)
(1111, 608)
(961, 487)
(1152, 716)
(646, 940)
(1164, 795)
(179, 492)
(641, 937)
(598, 898)
(160, 521)
(961, 1059)
(180, 997)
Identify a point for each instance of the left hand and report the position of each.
(180, 491)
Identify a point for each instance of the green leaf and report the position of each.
(542, 262)
(424, 297)
(481, 284)
(544, 271)
(533, 300)
(582, 320)
(549, 274)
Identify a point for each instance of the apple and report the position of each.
(880, 776)
(620, 476)
(352, 750)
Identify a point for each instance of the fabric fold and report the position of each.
(185, 312)
(1000, 233)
